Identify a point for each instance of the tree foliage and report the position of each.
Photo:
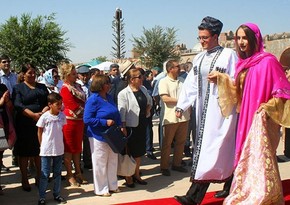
(119, 38)
(101, 58)
(156, 46)
(39, 41)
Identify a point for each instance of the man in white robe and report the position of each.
(213, 158)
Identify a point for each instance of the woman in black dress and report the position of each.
(30, 101)
(134, 104)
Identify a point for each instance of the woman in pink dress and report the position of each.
(262, 93)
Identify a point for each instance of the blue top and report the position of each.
(97, 112)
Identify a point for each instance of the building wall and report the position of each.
(277, 44)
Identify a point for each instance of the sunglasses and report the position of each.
(5, 61)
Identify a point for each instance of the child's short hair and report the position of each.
(53, 97)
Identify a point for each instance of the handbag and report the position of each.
(3, 141)
(126, 165)
(115, 138)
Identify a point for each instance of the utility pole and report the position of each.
(118, 17)
(119, 35)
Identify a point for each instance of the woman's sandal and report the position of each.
(104, 195)
(73, 182)
(115, 191)
(80, 179)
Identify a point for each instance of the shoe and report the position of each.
(188, 154)
(80, 179)
(140, 181)
(127, 180)
(165, 172)
(72, 182)
(104, 195)
(179, 169)
(115, 191)
(129, 185)
(280, 159)
(41, 202)
(60, 200)
(63, 178)
(26, 186)
(151, 156)
(183, 200)
(187, 151)
(221, 194)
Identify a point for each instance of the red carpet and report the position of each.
(208, 200)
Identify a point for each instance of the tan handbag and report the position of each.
(126, 165)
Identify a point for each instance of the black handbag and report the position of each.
(115, 138)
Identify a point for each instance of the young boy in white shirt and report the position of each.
(50, 138)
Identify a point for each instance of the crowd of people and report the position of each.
(210, 109)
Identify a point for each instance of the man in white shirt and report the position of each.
(7, 77)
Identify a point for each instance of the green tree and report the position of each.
(101, 58)
(155, 46)
(39, 41)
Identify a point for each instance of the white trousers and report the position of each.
(105, 163)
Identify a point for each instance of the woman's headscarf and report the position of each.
(257, 56)
(48, 77)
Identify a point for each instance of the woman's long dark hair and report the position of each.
(252, 41)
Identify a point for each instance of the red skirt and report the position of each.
(73, 133)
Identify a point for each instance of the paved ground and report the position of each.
(158, 186)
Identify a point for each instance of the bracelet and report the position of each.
(179, 110)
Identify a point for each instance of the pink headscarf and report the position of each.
(256, 57)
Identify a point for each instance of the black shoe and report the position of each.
(60, 200)
(188, 154)
(130, 185)
(221, 194)
(179, 169)
(280, 159)
(41, 202)
(151, 156)
(165, 172)
(183, 200)
(142, 182)
(26, 187)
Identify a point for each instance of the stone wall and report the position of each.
(277, 46)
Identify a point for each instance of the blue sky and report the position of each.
(88, 22)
